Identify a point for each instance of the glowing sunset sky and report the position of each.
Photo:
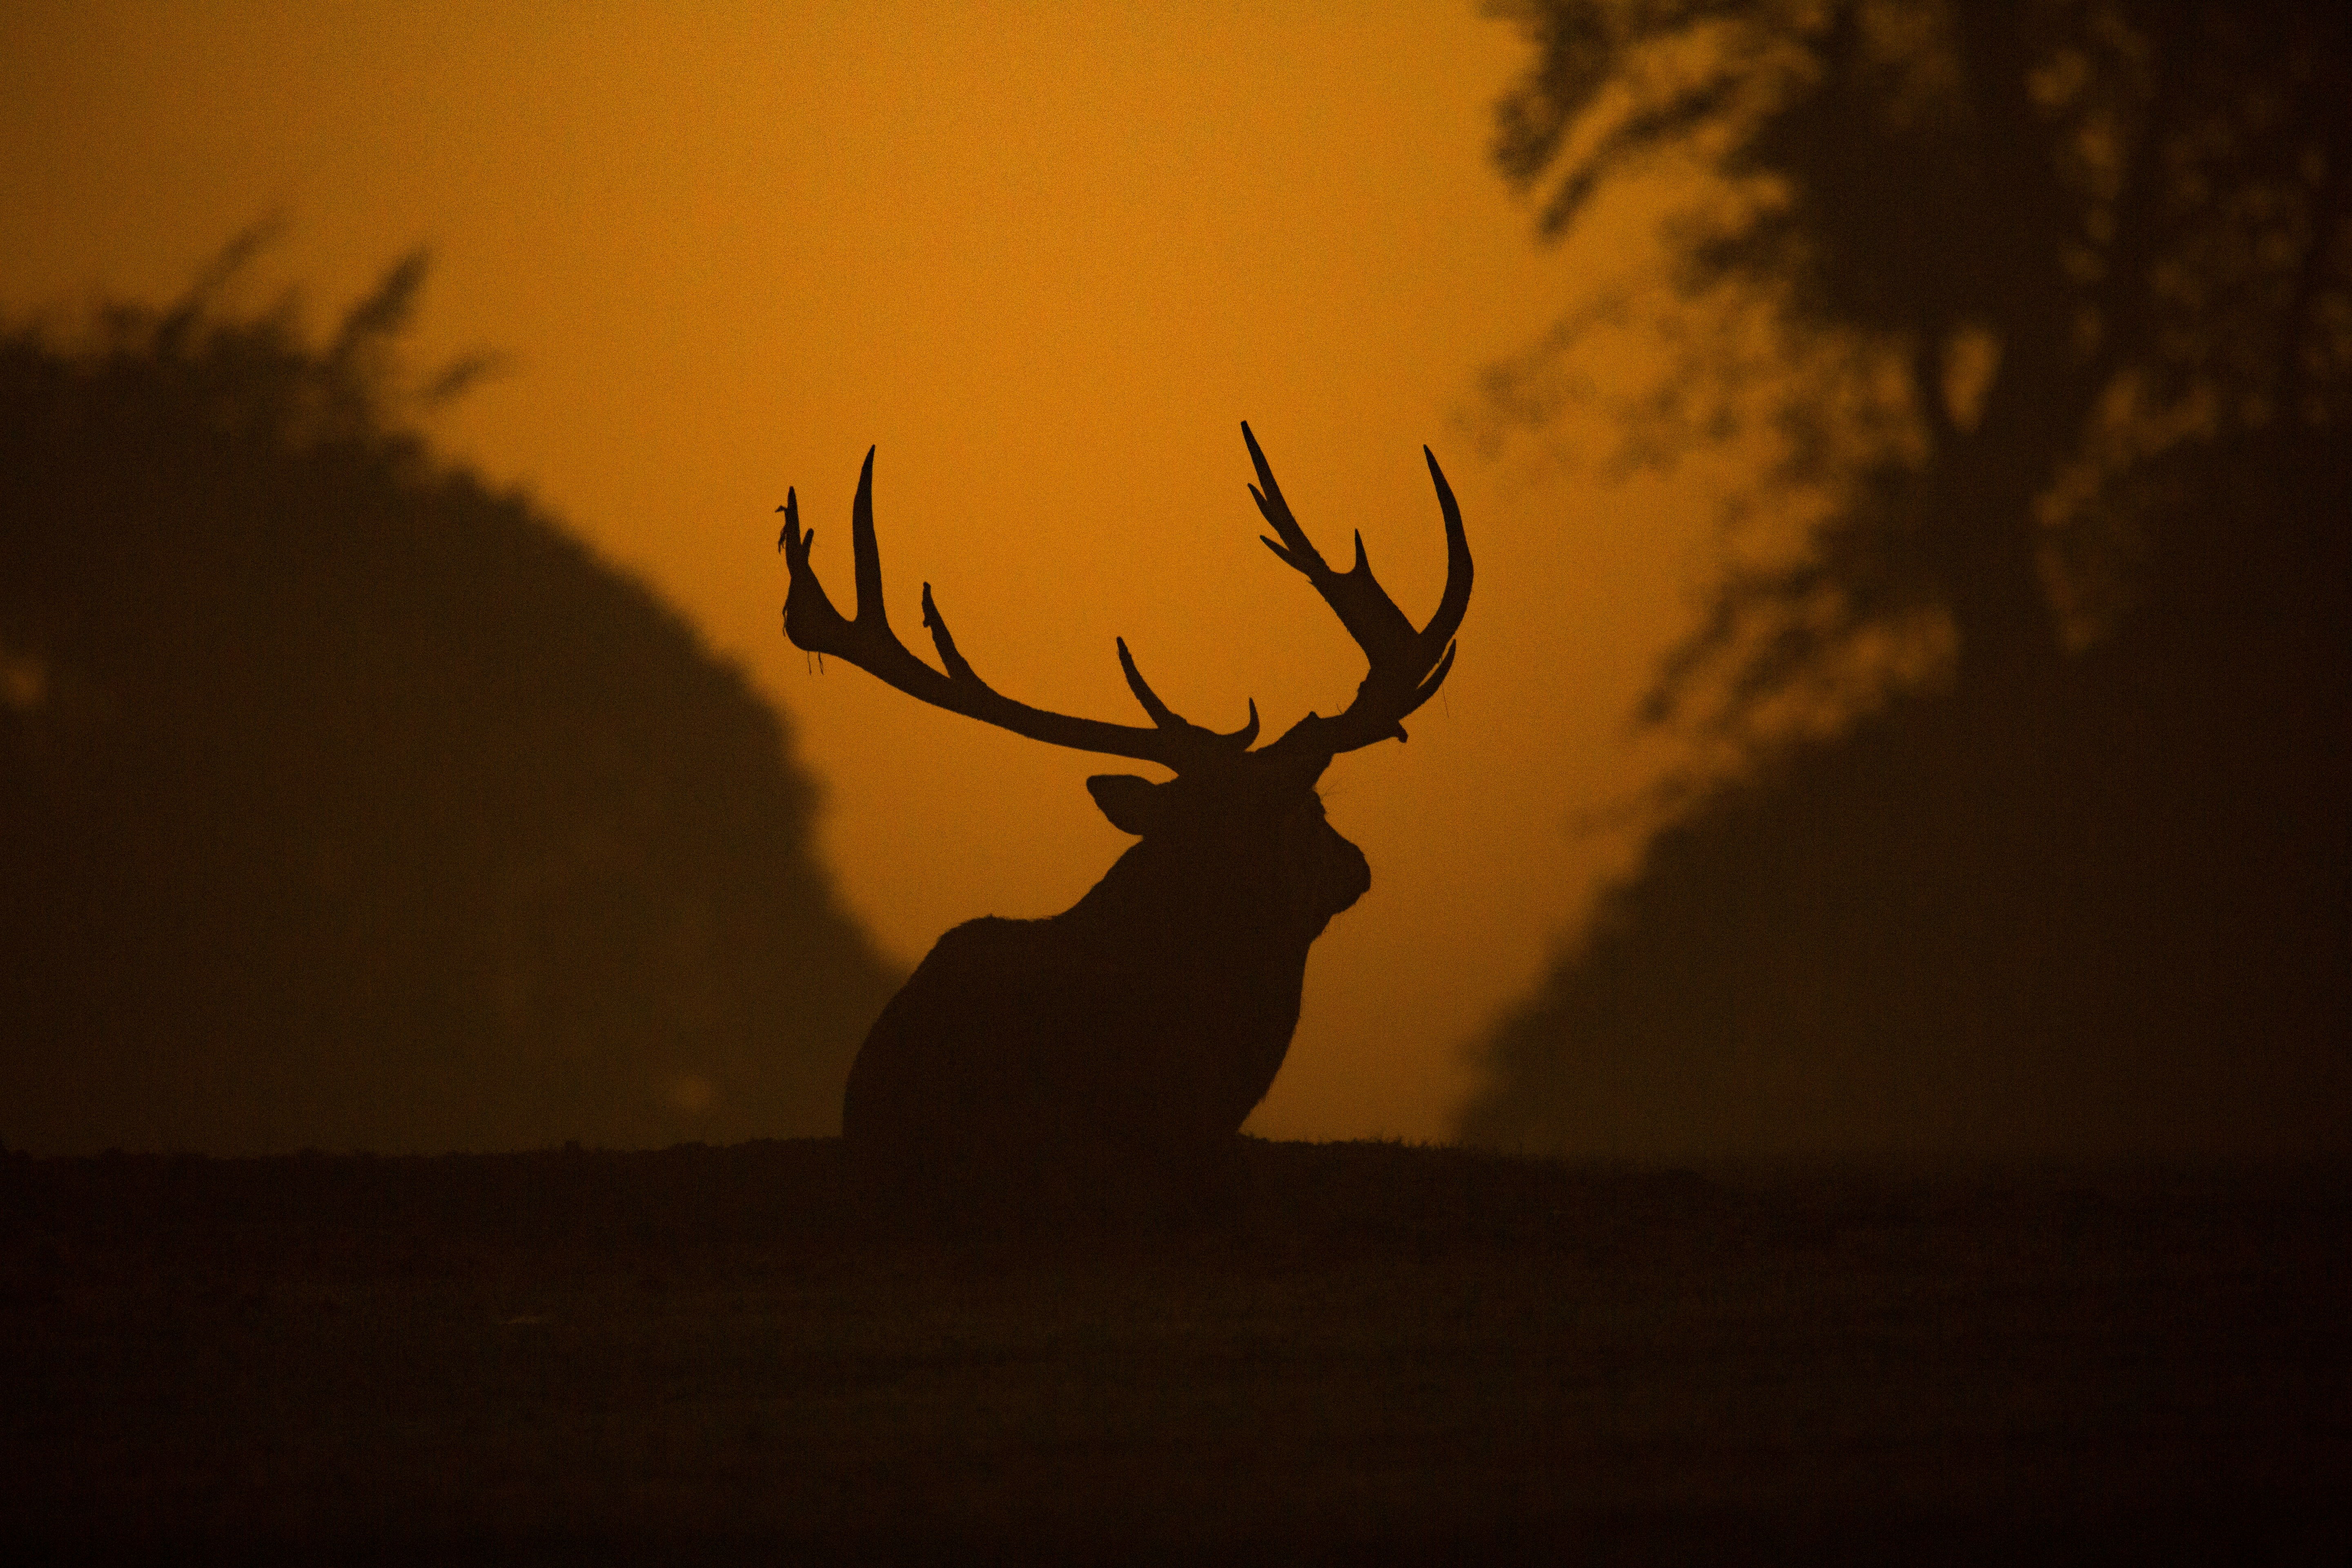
(1047, 257)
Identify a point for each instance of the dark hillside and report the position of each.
(1365, 1350)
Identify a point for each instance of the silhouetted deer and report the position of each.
(1142, 1024)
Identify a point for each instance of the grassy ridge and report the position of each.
(1356, 1347)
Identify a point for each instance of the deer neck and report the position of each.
(1173, 901)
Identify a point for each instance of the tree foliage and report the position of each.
(2031, 266)
(2058, 374)
(351, 803)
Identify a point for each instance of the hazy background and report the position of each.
(1923, 429)
(1046, 257)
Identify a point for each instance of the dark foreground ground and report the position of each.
(1364, 1351)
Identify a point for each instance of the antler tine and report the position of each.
(1455, 602)
(867, 641)
(1407, 666)
(1370, 616)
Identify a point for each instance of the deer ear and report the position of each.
(1129, 802)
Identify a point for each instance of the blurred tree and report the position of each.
(2013, 255)
(349, 803)
(2043, 313)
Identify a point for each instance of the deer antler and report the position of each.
(868, 642)
(1407, 666)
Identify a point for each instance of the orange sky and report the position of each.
(1047, 257)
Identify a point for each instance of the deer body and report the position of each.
(1154, 1013)
(1143, 1023)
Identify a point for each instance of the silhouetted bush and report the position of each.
(2106, 911)
(350, 802)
